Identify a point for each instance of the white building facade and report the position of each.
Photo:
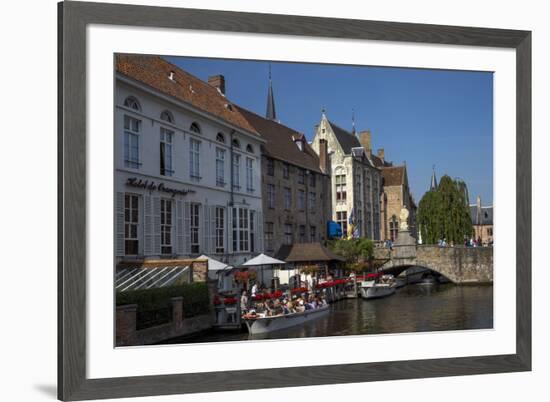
(187, 182)
(355, 180)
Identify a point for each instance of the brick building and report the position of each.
(396, 194)
(295, 190)
(482, 222)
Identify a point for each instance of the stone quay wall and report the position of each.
(128, 335)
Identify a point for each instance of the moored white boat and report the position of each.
(373, 289)
(262, 325)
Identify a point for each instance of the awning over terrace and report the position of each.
(138, 277)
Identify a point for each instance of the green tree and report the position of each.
(356, 252)
(444, 213)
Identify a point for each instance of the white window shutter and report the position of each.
(204, 229)
(156, 225)
(148, 225)
(259, 232)
(213, 229)
(119, 224)
(180, 237)
(187, 227)
(229, 227)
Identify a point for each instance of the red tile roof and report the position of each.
(154, 72)
(280, 142)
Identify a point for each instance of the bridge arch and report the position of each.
(461, 265)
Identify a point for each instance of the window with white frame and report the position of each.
(194, 227)
(131, 224)
(166, 138)
(165, 226)
(167, 116)
(250, 175)
(194, 159)
(220, 230)
(242, 229)
(301, 200)
(194, 127)
(132, 128)
(271, 196)
(220, 167)
(236, 171)
(342, 220)
(341, 192)
(287, 198)
(132, 103)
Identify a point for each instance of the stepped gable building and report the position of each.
(396, 194)
(295, 190)
(482, 222)
(356, 179)
(187, 167)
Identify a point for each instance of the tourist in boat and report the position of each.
(277, 307)
(300, 305)
(269, 308)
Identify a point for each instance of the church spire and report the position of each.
(433, 183)
(270, 109)
(353, 121)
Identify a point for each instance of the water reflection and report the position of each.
(413, 308)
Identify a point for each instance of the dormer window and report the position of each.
(172, 76)
(167, 116)
(220, 138)
(132, 103)
(236, 144)
(249, 149)
(195, 127)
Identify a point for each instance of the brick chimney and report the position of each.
(380, 153)
(217, 81)
(364, 140)
(323, 155)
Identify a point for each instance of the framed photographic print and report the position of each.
(322, 193)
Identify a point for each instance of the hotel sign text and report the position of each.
(152, 186)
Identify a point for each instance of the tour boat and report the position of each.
(378, 287)
(263, 324)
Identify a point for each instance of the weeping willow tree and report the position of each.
(444, 213)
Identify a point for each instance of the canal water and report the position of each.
(413, 308)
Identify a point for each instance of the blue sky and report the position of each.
(423, 117)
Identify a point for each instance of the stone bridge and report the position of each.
(459, 264)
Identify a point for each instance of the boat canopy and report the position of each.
(262, 259)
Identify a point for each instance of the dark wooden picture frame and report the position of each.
(73, 17)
